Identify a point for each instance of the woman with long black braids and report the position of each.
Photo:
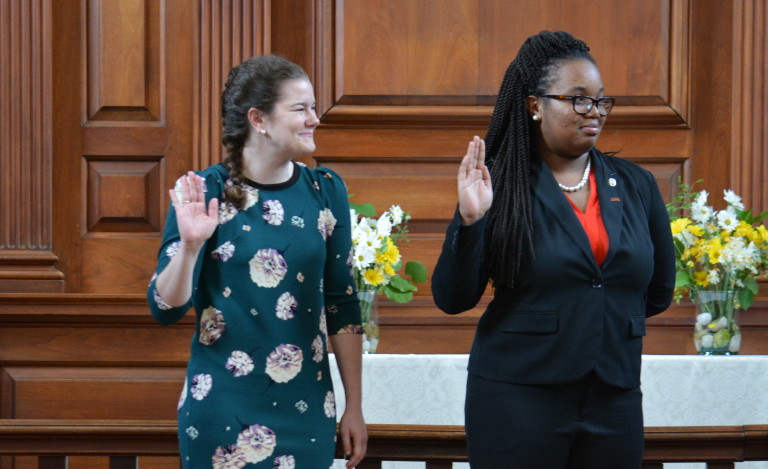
(578, 248)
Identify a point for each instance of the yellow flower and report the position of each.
(374, 276)
(390, 254)
(700, 278)
(679, 225)
(389, 270)
(713, 249)
(763, 233)
(696, 230)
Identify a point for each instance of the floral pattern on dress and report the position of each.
(227, 212)
(159, 301)
(273, 212)
(225, 349)
(201, 386)
(192, 432)
(172, 249)
(224, 252)
(302, 406)
(286, 306)
(257, 443)
(212, 325)
(351, 329)
(239, 363)
(230, 457)
(329, 406)
(251, 196)
(323, 323)
(268, 268)
(284, 462)
(284, 363)
(182, 397)
(326, 223)
(317, 349)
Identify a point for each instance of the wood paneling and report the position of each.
(26, 260)
(229, 31)
(92, 393)
(445, 65)
(749, 108)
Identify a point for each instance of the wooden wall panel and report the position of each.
(456, 55)
(26, 257)
(749, 108)
(91, 393)
(124, 70)
(229, 31)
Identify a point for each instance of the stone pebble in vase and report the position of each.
(716, 331)
(369, 310)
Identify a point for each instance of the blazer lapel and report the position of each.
(545, 189)
(610, 194)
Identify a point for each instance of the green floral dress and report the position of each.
(269, 286)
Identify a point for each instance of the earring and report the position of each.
(263, 131)
(536, 117)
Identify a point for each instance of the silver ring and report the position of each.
(185, 201)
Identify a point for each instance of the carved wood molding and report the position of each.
(25, 133)
(749, 113)
(227, 32)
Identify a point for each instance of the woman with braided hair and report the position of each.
(578, 248)
(260, 246)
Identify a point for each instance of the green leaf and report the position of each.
(682, 279)
(398, 296)
(751, 285)
(746, 297)
(401, 284)
(366, 209)
(417, 271)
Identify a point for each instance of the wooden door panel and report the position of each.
(409, 53)
(91, 393)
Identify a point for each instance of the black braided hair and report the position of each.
(255, 83)
(509, 149)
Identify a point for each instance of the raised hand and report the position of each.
(474, 183)
(196, 222)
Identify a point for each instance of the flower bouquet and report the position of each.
(719, 255)
(376, 261)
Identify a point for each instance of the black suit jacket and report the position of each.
(568, 316)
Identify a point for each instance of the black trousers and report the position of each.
(582, 425)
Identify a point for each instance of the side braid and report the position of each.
(509, 233)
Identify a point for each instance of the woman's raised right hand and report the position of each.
(195, 221)
(474, 183)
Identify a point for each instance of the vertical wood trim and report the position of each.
(26, 148)
(749, 155)
(227, 32)
(25, 133)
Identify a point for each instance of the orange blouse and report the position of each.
(592, 221)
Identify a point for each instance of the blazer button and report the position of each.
(596, 283)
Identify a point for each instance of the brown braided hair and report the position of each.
(509, 149)
(255, 83)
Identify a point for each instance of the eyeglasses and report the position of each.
(583, 104)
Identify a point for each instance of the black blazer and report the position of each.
(567, 316)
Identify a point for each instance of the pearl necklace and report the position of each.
(581, 183)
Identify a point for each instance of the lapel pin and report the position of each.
(612, 182)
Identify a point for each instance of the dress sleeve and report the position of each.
(459, 279)
(661, 288)
(161, 311)
(341, 303)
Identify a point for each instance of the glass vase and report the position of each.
(716, 331)
(369, 309)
